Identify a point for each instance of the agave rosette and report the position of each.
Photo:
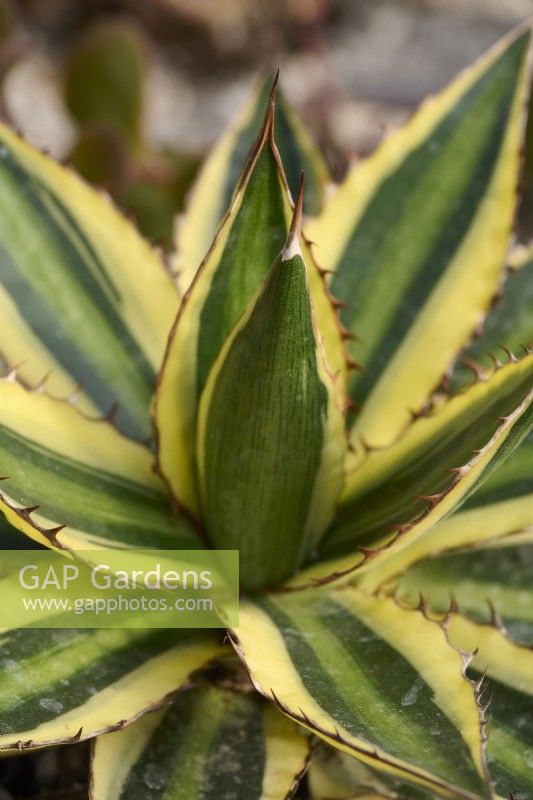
(326, 410)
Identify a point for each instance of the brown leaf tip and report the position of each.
(293, 245)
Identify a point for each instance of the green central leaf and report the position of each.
(263, 433)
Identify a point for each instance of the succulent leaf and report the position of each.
(103, 492)
(483, 583)
(400, 492)
(69, 685)
(418, 232)
(357, 669)
(215, 185)
(209, 744)
(509, 325)
(499, 512)
(492, 602)
(82, 296)
(271, 438)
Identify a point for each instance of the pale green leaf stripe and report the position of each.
(510, 744)
(209, 744)
(60, 685)
(103, 489)
(509, 324)
(265, 422)
(212, 193)
(64, 248)
(351, 669)
(501, 576)
(407, 256)
(389, 488)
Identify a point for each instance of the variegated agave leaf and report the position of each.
(383, 511)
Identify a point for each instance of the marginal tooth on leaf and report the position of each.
(74, 395)
(40, 387)
(351, 405)
(512, 359)
(110, 416)
(495, 360)
(368, 552)
(11, 375)
(454, 605)
(347, 334)
(77, 736)
(485, 708)
(502, 418)
(432, 499)
(403, 527)
(466, 658)
(495, 619)
(423, 606)
(477, 369)
(52, 533)
(352, 363)
(27, 511)
(459, 471)
(335, 302)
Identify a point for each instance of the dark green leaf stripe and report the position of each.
(209, 744)
(509, 324)
(339, 676)
(60, 684)
(500, 576)
(51, 265)
(409, 233)
(510, 743)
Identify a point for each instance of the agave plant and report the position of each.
(326, 410)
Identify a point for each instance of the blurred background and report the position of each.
(133, 93)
